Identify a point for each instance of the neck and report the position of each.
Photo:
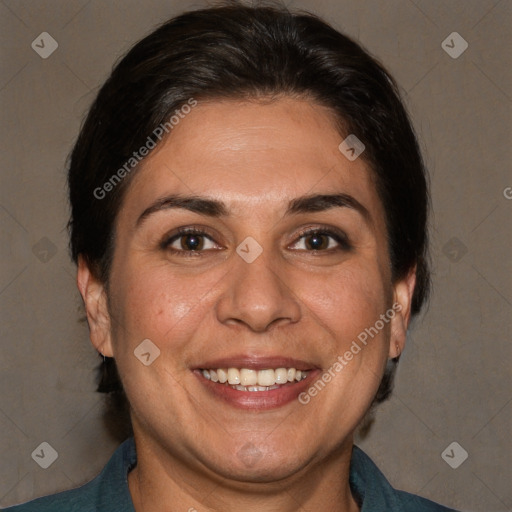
(162, 482)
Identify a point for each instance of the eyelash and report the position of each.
(339, 237)
(165, 245)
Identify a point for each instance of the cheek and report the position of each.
(346, 301)
(348, 305)
(156, 302)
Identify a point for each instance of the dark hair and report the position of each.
(240, 52)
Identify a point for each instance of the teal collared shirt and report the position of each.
(108, 492)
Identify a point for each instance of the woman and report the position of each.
(249, 209)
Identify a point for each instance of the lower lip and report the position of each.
(260, 400)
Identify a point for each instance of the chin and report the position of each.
(259, 465)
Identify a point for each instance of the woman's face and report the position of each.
(286, 265)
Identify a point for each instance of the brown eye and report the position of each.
(191, 242)
(322, 240)
(316, 242)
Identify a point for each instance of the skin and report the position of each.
(194, 450)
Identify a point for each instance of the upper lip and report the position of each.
(257, 362)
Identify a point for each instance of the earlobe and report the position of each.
(95, 300)
(402, 301)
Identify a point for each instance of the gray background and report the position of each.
(454, 381)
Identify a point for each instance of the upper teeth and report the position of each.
(246, 377)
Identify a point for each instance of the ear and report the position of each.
(402, 300)
(95, 299)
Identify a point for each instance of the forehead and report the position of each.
(250, 154)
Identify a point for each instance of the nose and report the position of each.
(257, 296)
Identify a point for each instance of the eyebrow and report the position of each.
(214, 208)
(196, 204)
(323, 202)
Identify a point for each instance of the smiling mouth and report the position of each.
(245, 379)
